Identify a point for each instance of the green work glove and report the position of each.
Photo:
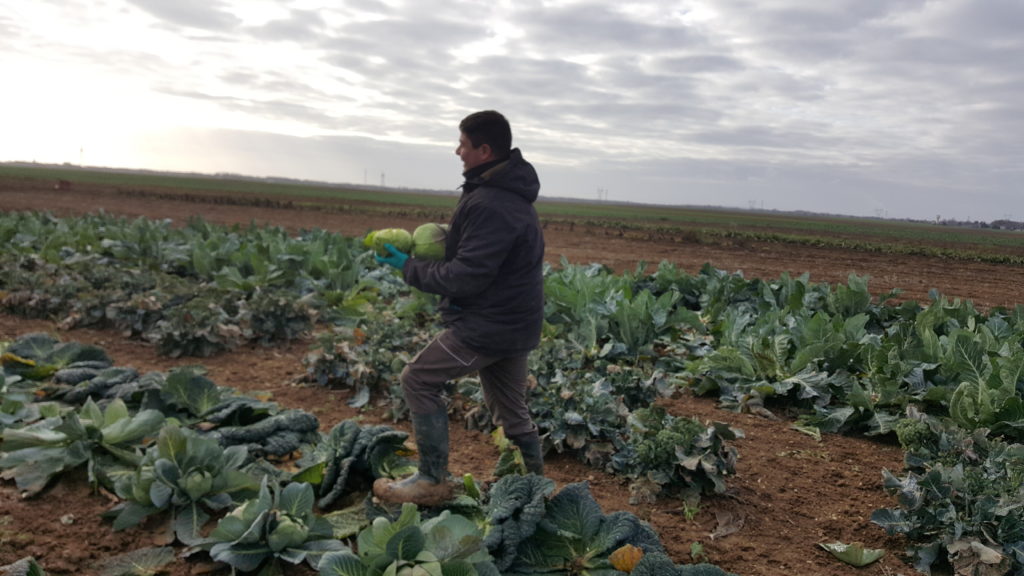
(396, 259)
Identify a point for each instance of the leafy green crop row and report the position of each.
(837, 357)
(201, 288)
(194, 290)
(162, 444)
(894, 237)
(968, 245)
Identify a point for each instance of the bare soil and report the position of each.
(790, 493)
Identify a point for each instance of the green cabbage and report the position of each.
(197, 483)
(428, 241)
(397, 237)
(289, 532)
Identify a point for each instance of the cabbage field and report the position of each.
(220, 394)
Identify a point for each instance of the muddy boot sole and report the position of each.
(415, 489)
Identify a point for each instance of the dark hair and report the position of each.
(488, 127)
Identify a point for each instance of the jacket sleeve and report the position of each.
(488, 233)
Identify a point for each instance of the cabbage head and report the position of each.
(397, 237)
(288, 532)
(428, 241)
(197, 483)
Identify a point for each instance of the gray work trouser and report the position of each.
(504, 381)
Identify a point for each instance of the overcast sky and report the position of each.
(892, 108)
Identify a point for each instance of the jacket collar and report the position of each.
(478, 175)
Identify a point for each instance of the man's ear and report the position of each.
(487, 152)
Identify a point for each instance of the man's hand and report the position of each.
(396, 259)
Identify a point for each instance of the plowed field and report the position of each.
(791, 492)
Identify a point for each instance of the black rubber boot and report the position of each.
(529, 446)
(430, 486)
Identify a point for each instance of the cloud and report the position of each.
(10, 31)
(602, 27)
(298, 26)
(211, 15)
(837, 106)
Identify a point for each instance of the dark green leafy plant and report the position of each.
(188, 390)
(377, 339)
(99, 437)
(926, 439)
(279, 525)
(39, 356)
(39, 289)
(576, 538)
(141, 308)
(446, 544)
(194, 290)
(18, 406)
(515, 505)
(576, 303)
(236, 420)
(510, 458)
(185, 474)
(350, 457)
(637, 321)
(335, 360)
(987, 396)
(966, 488)
(201, 327)
(276, 316)
(656, 563)
(677, 455)
(277, 435)
(98, 386)
(578, 412)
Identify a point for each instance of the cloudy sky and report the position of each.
(901, 108)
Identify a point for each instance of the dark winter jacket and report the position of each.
(491, 279)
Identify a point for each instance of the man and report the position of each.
(492, 307)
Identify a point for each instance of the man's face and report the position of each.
(472, 157)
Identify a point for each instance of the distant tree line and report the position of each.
(995, 224)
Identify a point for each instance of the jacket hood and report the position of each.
(514, 174)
